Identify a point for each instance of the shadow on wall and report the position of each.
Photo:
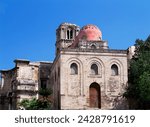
(138, 105)
(120, 103)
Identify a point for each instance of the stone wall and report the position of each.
(8, 78)
(55, 82)
(23, 81)
(75, 88)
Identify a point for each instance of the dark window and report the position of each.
(68, 34)
(43, 84)
(71, 34)
(93, 47)
(114, 70)
(94, 69)
(74, 68)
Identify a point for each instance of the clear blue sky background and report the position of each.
(27, 27)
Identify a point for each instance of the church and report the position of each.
(85, 74)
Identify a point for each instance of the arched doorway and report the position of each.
(95, 95)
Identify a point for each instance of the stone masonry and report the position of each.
(85, 74)
(23, 82)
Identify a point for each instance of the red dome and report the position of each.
(89, 33)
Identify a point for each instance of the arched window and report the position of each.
(74, 68)
(93, 47)
(94, 69)
(69, 34)
(114, 70)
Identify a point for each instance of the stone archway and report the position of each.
(95, 95)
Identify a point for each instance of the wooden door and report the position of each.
(94, 96)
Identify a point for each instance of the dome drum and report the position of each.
(88, 33)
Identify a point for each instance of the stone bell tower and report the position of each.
(65, 35)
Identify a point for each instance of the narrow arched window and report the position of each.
(68, 34)
(74, 68)
(114, 70)
(71, 34)
(94, 69)
(93, 47)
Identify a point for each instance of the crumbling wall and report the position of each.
(28, 79)
(8, 77)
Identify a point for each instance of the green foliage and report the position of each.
(139, 74)
(32, 104)
(144, 86)
(45, 92)
(36, 104)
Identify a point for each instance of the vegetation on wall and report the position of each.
(43, 103)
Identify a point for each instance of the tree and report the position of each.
(138, 90)
(38, 104)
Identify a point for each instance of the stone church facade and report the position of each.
(85, 74)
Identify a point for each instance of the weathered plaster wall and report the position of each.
(75, 88)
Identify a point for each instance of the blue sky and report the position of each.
(27, 27)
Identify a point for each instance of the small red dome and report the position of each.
(89, 33)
